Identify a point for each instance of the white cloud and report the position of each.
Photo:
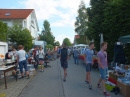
(47, 9)
(62, 12)
(61, 37)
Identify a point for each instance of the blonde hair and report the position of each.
(20, 47)
(104, 43)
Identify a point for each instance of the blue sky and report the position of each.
(61, 14)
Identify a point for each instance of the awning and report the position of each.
(124, 39)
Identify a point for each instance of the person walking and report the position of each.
(103, 66)
(89, 62)
(76, 55)
(64, 60)
(41, 56)
(21, 60)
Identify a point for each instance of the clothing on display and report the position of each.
(119, 56)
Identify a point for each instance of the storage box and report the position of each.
(114, 76)
(124, 89)
(109, 87)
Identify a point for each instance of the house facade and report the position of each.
(24, 17)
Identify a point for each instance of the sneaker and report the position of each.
(90, 86)
(98, 86)
(64, 79)
(21, 77)
(106, 94)
(86, 81)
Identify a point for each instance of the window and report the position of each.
(7, 14)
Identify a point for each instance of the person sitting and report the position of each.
(46, 61)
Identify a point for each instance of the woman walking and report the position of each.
(41, 56)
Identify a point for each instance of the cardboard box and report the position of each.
(124, 89)
(32, 72)
(114, 76)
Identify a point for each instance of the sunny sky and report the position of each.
(60, 13)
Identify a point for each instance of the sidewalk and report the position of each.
(13, 87)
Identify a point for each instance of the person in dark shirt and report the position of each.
(64, 60)
(7, 55)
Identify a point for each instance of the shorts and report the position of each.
(103, 73)
(88, 67)
(40, 59)
(64, 64)
(23, 64)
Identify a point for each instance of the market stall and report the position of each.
(119, 78)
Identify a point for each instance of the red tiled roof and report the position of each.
(77, 36)
(15, 13)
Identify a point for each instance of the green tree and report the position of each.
(57, 43)
(50, 46)
(82, 40)
(67, 41)
(81, 19)
(46, 34)
(3, 32)
(110, 17)
(21, 36)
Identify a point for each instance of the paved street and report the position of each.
(49, 83)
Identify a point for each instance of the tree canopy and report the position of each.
(46, 34)
(18, 35)
(3, 32)
(67, 41)
(81, 19)
(109, 17)
(57, 43)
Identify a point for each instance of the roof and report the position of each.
(15, 13)
(77, 36)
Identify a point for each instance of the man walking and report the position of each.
(89, 62)
(103, 65)
(64, 60)
(76, 54)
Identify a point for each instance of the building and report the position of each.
(24, 17)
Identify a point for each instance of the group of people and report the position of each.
(88, 56)
(40, 58)
(21, 58)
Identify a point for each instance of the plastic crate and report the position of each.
(109, 87)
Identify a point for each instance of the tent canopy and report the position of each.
(124, 39)
(81, 45)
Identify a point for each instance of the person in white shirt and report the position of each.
(21, 59)
(41, 56)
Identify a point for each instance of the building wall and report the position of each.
(28, 23)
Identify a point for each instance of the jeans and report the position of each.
(23, 64)
(76, 60)
(103, 73)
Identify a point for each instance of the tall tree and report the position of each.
(46, 34)
(21, 36)
(81, 19)
(3, 32)
(67, 41)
